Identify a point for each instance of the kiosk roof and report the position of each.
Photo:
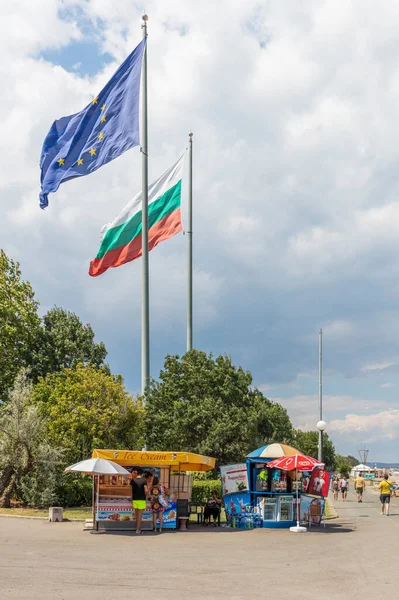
(183, 461)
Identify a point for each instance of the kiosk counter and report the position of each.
(113, 498)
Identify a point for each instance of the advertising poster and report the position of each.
(234, 478)
(116, 512)
(169, 516)
(311, 509)
(319, 483)
(239, 512)
(123, 512)
(235, 504)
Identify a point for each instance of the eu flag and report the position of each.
(81, 143)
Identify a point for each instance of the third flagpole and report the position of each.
(190, 246)
(145, 317)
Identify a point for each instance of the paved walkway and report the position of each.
(355, 556)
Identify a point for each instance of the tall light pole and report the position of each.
(320, 454)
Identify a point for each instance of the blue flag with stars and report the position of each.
(81, 143)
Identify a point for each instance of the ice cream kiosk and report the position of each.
(113, 499)
(272, 491)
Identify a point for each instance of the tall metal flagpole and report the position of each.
(320, 456)
(190, 246)
(145, 317)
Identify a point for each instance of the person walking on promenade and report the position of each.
(359, 487)
(343, 484)
(139, 496)
(385, 494)
(335, 487)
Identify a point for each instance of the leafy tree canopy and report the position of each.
(308, 443)
(19, 322)
(24, 453)
(86, 408)
(207, 405)
(64, 342)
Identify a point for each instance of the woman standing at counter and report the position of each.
(139, 495)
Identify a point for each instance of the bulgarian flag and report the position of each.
(121, 239)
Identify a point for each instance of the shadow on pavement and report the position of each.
(333, 528)
(191, 529)
(328, 529)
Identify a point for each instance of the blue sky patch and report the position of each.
(83, 57)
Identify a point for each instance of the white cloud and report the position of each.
(378, 366)
(377, 426)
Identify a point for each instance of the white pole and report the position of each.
(320, 456)
(297, 528)
(145, 310)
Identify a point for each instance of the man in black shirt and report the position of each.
(139, 495)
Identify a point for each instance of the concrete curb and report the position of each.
(332, 512)
(39, 518)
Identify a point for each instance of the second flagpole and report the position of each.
(145, 311)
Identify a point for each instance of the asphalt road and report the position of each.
(353, 557)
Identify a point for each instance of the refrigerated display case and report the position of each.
(269, 509)
(286, 506)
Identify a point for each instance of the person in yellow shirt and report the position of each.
(359, 487)
(385, 495)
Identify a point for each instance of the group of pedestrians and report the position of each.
(147, 487)
(342, 485)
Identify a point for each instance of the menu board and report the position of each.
(234, 478)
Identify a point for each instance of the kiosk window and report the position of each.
(279, 481)
(262, 478)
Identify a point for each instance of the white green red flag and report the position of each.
(121, 239)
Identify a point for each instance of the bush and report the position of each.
(38, 489)
(74, 489)
(202, 490)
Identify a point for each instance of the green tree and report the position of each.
(308, 441)
(19, 322)
(86, 408)
(352, 460)
(343, 468)
(64, 342)
(207, 405)
(25, 454)
(345, 463)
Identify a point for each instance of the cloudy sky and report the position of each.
(294, 109)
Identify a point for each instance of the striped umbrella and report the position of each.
(273, 451)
